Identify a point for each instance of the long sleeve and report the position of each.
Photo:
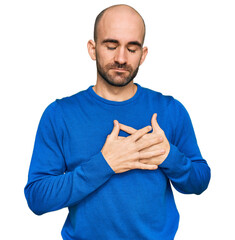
(184, 166)
(50, 186)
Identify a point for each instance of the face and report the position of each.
(118, 50)
(115, 72)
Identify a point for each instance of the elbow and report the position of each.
(33, 204)
(205, 180)
(192, 189)
(200, 190)
(195, 185)
(33, 207)
(35, 210)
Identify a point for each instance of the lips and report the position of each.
(119, 69)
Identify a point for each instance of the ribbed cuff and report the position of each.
(176, 164)
(97, 170)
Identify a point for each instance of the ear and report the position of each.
(144, 54)
(91, 49)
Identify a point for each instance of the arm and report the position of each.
(184, 165)
(181, 159)
(50, 187)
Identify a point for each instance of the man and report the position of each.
(109, 153)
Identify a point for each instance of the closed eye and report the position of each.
(132, 51)
(111, 48)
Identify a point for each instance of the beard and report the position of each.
(112, 79)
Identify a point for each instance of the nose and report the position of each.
(121, 56)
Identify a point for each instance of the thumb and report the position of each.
(154, 123)
(116, 129)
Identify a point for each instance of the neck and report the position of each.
(113, 93)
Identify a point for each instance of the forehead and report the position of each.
(124, 26)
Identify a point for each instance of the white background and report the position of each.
(43, 56)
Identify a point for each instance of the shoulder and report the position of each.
(156, 98)
(71, 101)
(61, 107)
(56, 110)
(167, 102)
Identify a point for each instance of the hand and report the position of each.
(123, 153)
(161, 143)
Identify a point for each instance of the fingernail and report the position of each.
(163, 151)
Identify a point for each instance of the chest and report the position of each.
(87, 130)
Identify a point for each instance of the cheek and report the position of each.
(135, 61)
(104, 55)
(105, 60)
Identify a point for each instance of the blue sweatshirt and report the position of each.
(68, 169)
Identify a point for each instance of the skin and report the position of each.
(140, 150)
(118, 53)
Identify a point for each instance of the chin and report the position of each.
(119, 83)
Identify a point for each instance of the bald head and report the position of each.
(118, 13)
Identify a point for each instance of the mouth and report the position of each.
(119, 69)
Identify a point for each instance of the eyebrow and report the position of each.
(110, 41)
(116, 41)
(135, 43)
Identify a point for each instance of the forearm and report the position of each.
(188, 175)
(50, 193)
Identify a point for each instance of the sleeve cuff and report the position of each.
(170, 159)
(176, 163)
(97, 170)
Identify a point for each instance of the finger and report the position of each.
(155, 124)
(155, 147)
(143, 166)
(120, 137)
(139, 133)
(148, 141)
(127, 129)
(152, 154)
(115, 131)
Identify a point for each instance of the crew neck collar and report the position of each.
(106, 101)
